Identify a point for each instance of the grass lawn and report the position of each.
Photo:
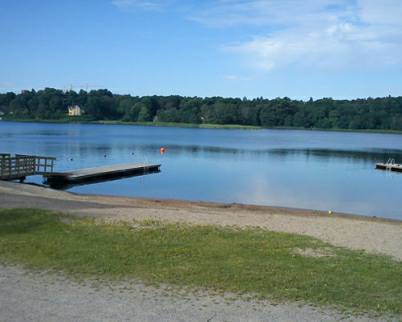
(267, 264)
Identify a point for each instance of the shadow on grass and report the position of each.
(22, 221)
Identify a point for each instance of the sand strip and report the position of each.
(373, 235)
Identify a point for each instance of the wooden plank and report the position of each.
(105, 172)
(105, 169)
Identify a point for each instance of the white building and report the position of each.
(74, 110)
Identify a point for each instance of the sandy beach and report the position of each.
(54, 297)
(372, 235)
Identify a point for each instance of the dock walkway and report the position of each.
(100, 173)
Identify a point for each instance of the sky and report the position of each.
(233, 48)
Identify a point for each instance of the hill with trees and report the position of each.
(52, 104)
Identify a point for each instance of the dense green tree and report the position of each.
(144, 113)
(5, 100)
(49, 103)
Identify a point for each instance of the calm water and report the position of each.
(304, 169)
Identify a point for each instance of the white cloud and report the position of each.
(235, 77)
(313, 33)
(334, 46)
(223, 13)
(139, 4)
(383, 12)
(300, 33)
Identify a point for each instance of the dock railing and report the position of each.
(21, 166)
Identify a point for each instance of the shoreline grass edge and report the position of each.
(193, 125)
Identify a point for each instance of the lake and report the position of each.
(290, 168)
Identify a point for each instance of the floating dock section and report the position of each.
(83, 176)
(389, 166)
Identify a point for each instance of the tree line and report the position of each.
(326, 113)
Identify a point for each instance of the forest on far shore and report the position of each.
(326, 113)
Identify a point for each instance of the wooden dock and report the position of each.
(389, 166)
(100, 173)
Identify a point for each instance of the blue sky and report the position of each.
(269, 48)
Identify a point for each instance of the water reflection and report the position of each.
(371, 155)
(84, 150)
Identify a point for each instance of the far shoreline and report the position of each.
(199, 126)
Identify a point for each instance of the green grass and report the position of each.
(67, 119)
(248, 261)
(88, 120)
